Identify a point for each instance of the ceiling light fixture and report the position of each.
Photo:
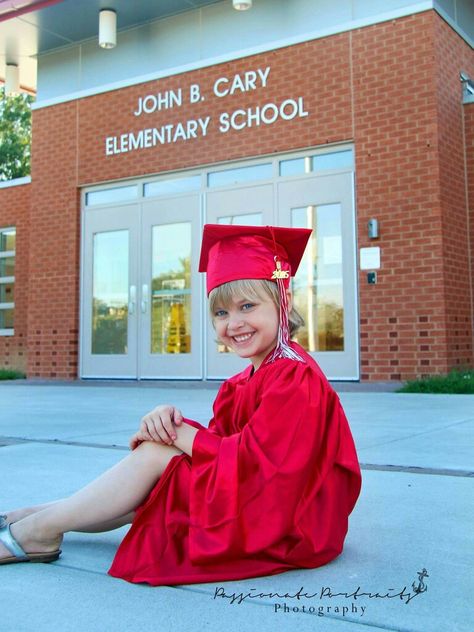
(242, 5)
(107, 28)
(12, 80)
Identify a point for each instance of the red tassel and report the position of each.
(283, 349)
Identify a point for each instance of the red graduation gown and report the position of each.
(269, 487)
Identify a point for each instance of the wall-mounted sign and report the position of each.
(237, 119)
(370, 258)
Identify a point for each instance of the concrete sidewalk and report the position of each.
(415, 512)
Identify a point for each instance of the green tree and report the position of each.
(15, 135)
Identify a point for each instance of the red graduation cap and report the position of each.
(230, 253)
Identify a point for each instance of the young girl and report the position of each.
(267, 488)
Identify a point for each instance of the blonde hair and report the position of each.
(252, 290)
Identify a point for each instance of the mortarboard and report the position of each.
(230, 253)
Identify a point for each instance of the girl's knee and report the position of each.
(148, 447)
(155, 457)
(153, 449)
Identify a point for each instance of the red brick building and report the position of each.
(368, 121)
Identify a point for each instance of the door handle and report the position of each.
(132, 299)
(144, 303)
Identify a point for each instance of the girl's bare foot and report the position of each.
(30, 539)
(18, 514)
(13, 516)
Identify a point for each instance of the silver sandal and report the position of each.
(18, 554)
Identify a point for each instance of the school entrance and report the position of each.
(143, 303)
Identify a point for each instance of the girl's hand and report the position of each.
(136, 439)
(158, 425)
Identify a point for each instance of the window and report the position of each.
(115, 194)
(173, 186)
(229, 177)
(342, 159)
(7, 280)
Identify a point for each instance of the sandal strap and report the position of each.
(11, 544)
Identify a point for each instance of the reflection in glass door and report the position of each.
(171, 289)
(110, 282)
(318, 284)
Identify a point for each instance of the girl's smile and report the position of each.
(243, 337)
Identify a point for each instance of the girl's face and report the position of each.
(248, 327)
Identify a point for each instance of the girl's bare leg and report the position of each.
(108, 498)
(109, 525)
(19, 514)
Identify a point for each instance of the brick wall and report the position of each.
(452, 56)
(382, 87)
(468, 111)
(402, 317)
(14, 211)
(53, 308)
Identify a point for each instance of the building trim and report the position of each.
(15, 183)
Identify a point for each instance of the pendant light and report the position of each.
(107, 28)
(12, 80)
(242, 5)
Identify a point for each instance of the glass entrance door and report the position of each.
(143, 304)
(324, 288)
(170, 312)
(141, 316)
(249, 206)
(109, 291)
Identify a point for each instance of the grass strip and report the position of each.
(11, 374)
(456, 382)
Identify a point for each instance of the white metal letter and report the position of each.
(194, 93)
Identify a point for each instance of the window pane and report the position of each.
(241, 174)
(117, 194)
(295, 166)
(250, 219)
(7, 239)
(6, 293)
(171, 288)
(6, 318)
(7, 266)
(110, 293)
(335, 160)
(317, 286)
(168, 187)
(319, 162)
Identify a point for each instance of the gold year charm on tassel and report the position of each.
(279, 273)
